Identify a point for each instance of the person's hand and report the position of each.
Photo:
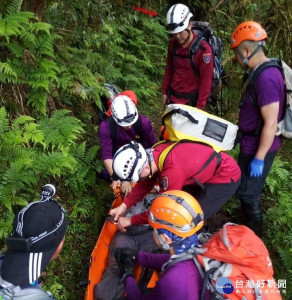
(164, 99)
(124, 222)
(126, 187)
(126, 259)
(115, 183)
(118, 211)
(256, 167)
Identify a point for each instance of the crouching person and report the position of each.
(176, 216)
(38, 237)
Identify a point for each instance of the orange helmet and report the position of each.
(178, 212)
(249, 30)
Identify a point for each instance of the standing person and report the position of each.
(38, 237)
(210, 176)
(257, 119)
(176, 217)
(124, 125)
(180, 83)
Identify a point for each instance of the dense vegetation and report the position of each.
(55, 57)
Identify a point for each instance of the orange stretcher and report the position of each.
(99, 255)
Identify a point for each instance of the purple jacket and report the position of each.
(109, 147)
(268, 88)
(180, 281)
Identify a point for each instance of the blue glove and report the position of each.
(256, 167)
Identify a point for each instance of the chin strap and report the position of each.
(245, 60)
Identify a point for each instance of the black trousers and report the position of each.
(250, 191)
(213, 197)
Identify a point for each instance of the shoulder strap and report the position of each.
(207, 282)
(206, 164)
(163, 155)
(193, 50)
(254, 75)
(112, 127)
(138, 128)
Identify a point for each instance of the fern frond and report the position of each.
(6, 69)
(4, 122)
(14, 7)
(41, 26)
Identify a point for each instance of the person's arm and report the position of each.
(138, 192)
(270, 117)
(108, 163)
(142, 188)
(106, 144)
(152, 260)
(205, 75)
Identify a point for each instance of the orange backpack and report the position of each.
(241, 256)
(234, 264)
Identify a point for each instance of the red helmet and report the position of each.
(249, 30)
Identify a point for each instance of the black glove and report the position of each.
(126, 259)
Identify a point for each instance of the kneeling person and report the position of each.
(176, 216)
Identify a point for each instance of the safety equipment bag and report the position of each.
(234, 264)
(184, 122)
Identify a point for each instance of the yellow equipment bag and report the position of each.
(185, 122)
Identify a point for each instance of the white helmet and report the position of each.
(124, 111)
(128, 162)
(178, 18)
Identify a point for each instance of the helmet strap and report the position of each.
(164, 245)
(245, 60)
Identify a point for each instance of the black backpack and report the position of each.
(204, 31)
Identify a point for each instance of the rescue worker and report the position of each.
(175, 216)
(210, 176)
(124, 124)
(180, 83)
(38, 238)
(258, 119)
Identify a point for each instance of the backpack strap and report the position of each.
(206, 164)
(112, 127)
(138, 129)
(163, 155)
(274, 62)
(193, 50)
(207, 282)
